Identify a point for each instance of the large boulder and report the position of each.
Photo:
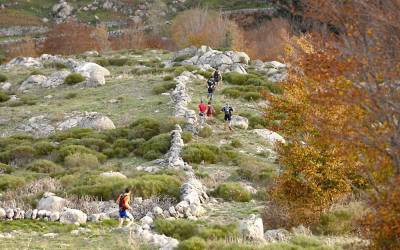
(62, 11)
(56, 79)
(274, 71)
(86, 69)
(73, 216)
(252, 228)
(32, 82)
(92, 120)
(38, 126)
(277, 235)
(24, 62)
(240, 122)
(269, 135)
(52, 203)
(2, 213)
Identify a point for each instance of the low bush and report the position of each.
(145, 128)
(155, 147)
(180, 229)
(81, 161)
(11, 182)
(236, 143)
(156, 185)
(118, 61)
(163, 87)
(187, 136)
(231, 92)
(45, 166)
(74, 78)
(103, 62)
(168, 78)
(36, 72)
(255, 120)
(255, 170)
(3, 78)
(214, 232)
(182, 58)
(5, 169)
(22, 155)
(252, 96)
(4, 96)
(232, 191)
(194, 243)
(205, 132)
(43, 147)
(196, 153)
(74, 149)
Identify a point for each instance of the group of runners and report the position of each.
(207, 111)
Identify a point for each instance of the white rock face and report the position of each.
(38, 126)
(207, 58)
(51, 203)
(96, 79)
(274, 71)
(73, 216)
(269, 135)
(32, 82)
(24, 62)
(252, 228)
(6, 86)
(92, 120)
(147, 220)
(240, 122)
(113, 174)
(2, 213)
(55, 216)
(62, 11)
(86, 69)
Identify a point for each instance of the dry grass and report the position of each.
(10, 17)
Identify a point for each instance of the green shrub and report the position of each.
(219, 232)
(274, 88)
(255, 170)
(236, 143)
(182, 58)
(252, 96)
(103, 62)
(118, 61)
(45, 166)
(168, 78)
(187, 136)
(22, 154)
(94, 143)
(205, 74)
(145, 128)
(180, 229)
(10, 182)
(255, 120)
(29, 100)
(196, 153)
(194, 243)
(59, 65)
(43, 147)
(74, 78)
(71, 95)
(5, 169)
(36, 72)
(156, 146)
(156, 185)
(4, 96)
(205, 132)
(73, 149)
(235, 78)
(3, 78)
(76, 133)
(231, 92)
(341, 220)
(81, 160)
(232, 191)
(163, 87)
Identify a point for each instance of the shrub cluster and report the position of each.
(3, 78)
(197, 153)
(4, 96)
(163, 87)
(74, 78)
(255, 170)
(232, 191)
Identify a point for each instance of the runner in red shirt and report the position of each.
(202, 112)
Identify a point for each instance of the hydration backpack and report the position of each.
(210, 83)
(121, 201)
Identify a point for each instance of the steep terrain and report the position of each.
(187, 180)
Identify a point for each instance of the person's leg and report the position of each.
(129, 219)
(121, 222)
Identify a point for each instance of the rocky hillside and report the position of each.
(76, 131)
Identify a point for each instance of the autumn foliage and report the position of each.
(203, 27)
(73, 38)
(340, 113)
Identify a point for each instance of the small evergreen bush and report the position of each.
(43, 147)
(163, 87)
(187, 136)
(196, 153)
(168, 78)
(3, 78)
(205, 132)
(194, 243)
(45, 166)
(11, 182)
(232, 191)
(5, 169)
(180, 229)
(81, 160)
(118, 61)
(4, 96)
(74, 78)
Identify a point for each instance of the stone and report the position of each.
(6, 86)
(146, 220)
(32, 82)
(28, 214)
(96, 79)
(73, 216)
(9, 213)
(51, 203)
(157, 211)
(55, 79)
(34, 214)
(252, 228)
(38, 125)
(24, 62)
(55, 216)
(62, 11)
(50, 235)
(113, 174)
(86, 69)
(277, 235)
(270, 136)
(172, 211)
(96, 121)
(301, 231)
(2, 213)
(240, 122)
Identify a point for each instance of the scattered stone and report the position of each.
(24, 62)
(240, 122)
(270, 136)
(50, 235)
(3, 213)
(73, 216)
(113, 174)
(252, 228)
(146, 220)
(277, 235)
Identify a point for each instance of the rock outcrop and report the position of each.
(51, 202)
(274, 71)
(61, 11)
(269, 135)
(54, 80)
(73, 216)
(252, 228)
(240, 122)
